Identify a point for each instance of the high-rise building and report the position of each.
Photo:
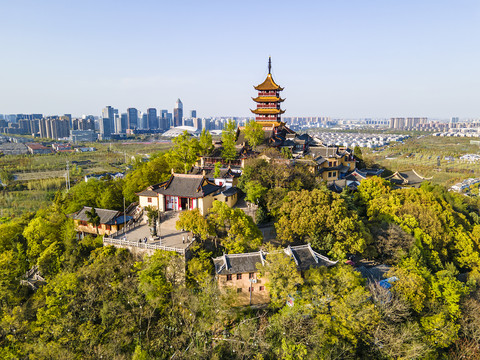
(206, 124)
(54, 127)
(144, 122)
(123, 122)
(197, 124)
(69, 117)
(152, 119)
(118, 124)
(107, 122)
(169, 116)
(178, 113)
(163, 121)
(193, 114)
(132, 118)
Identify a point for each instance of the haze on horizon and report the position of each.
(334, 58)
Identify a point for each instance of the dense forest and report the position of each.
(102, 302)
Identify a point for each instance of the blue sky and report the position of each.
(335, 58)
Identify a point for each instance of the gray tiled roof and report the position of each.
(108, 217)
(326, 152)
(238, 263)
(303, 255)
(184, 185)
(409, 177)
(209, 172)
(230, 191)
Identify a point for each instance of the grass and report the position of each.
(40, 176)
(15, 203)
(427, 155)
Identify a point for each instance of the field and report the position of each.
(38, 177)
(430, 156)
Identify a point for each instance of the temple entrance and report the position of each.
(184, 203)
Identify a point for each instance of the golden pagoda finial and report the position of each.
(269, 64)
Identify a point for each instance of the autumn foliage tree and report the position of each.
(238, 230)
(322, 218)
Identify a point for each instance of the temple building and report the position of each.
(187, 192)
(268, 111)
(239, 272)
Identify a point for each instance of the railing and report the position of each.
(142, 245)
(137, 215)
(130, 226)
(271, 105)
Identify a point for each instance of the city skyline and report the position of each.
(349, 60)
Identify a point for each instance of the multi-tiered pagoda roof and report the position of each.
(268, 101)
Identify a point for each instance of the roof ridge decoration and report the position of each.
(313, 253)
(225, 260)
(422, 177)
(169, 181)
(188, 175)
(262, 257)
(288, 251)
(269, 83)
(242, 254)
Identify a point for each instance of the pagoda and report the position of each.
(268, 111)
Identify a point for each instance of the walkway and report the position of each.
(169, 235)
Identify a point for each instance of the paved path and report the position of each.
(169, 235)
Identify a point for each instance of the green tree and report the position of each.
(229, 134)
(205, 143)
(10, 234)
(50, 260)
(8, 277)
(192, 220)
(255, 192)
(157, 277)
(254, 133)
(281, 275)
(140, 354)
(200, 268)
(293, 351)
(184, 152)
(340, 303)
(112, 197)
(6, 177)
(41, 232)
(310, 216)
(93, 218)
(153, 172)
(287, 153)
(357, 151)
(238, 230)
(85, 193)
(216, 170)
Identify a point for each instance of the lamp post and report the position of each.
(124, 217)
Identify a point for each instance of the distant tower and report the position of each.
(152, 119)
(268, 111)
(163, 122)
(123, 123)
(132, 118)
(106, 123)
(178, 113)
(193, 113)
